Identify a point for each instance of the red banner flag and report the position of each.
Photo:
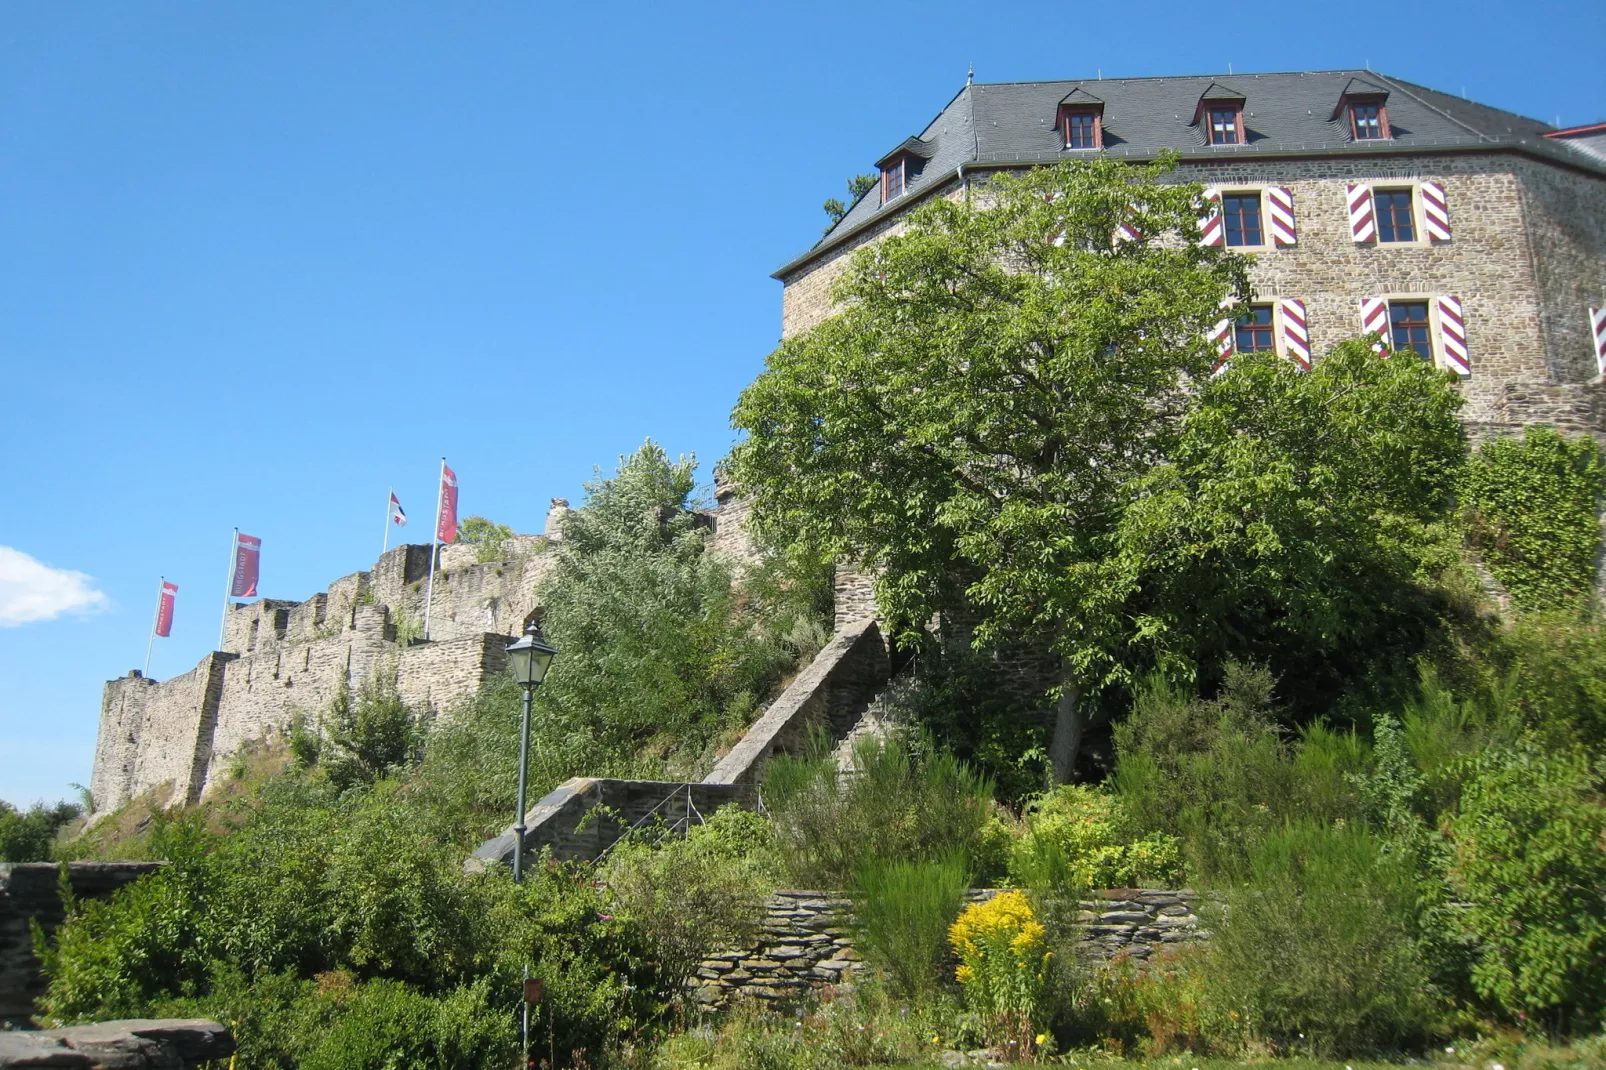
(164, 609)
(247, 560)
(446, 524)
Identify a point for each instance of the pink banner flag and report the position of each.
(164, 609)
(247, 560)
(446, 524)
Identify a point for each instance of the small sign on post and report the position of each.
(534, 989)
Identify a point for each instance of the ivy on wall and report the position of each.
(1532, 508)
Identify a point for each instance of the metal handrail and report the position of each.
(682, 826)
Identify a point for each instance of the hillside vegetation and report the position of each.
(1267, 600)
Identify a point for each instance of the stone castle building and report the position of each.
(1473, 235)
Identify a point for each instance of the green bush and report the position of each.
(370, 735)
(1079, 837)
(1530, 856)
(662, 650)
(1532, 510)
(1221, 773)
(905, 802)
(902, 910)
(27, 836)
(691, 898)
(1316, 948)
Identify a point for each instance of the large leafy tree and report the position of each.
(1007, 381)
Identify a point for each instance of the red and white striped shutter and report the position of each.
(1211, 230)
(1296, 333)
(1221, 337)
(1375, 320)
(1280, 207)
(1597, 328)
(1128, 231)
(1435, 211)
(1362, 222)
(1453, 335)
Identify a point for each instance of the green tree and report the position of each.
(858, 186)
(967, 425)
(489, 537)
(370, 734)
(661, 650)
(1013, 417)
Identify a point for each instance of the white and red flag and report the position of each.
(164, 609)
(397, 517)
(247, 564)
(446, 523)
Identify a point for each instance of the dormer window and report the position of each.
(1225, 126)
(1366, 122)
(1364, 105)
(1081, 120)
(1220, 112)
(892, 178)
(900, 166)
(1081, 129)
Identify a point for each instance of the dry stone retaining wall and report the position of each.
(806, 941)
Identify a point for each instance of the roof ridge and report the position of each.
(1172, 77)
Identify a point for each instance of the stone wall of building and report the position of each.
(1527, 257)
(806, 941)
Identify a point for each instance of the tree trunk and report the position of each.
(1069, 722)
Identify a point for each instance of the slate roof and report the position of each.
(998, 125)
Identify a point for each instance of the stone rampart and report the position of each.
(29, 891)
(286, 660)
(806, 940)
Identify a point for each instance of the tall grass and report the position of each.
(903, 910)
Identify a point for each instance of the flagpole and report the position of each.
(434, 546)
(161, 585)
(389, 495)
(228, 587)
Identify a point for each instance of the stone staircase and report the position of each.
(883, 716)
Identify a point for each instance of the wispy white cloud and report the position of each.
(31, 590)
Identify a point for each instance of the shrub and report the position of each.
(369, 735)
(1315, 948)
(28, 836)
(905, 802)
(1532, 509)
(1003, 967)
(691, 898)
(1157, 1008)
(903, 910)
(1079, 837)
(1222, 773)
(1530, 855)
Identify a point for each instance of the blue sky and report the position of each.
(259, 262)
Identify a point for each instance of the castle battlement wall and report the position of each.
(283, 660)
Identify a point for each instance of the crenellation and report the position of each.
(286, 660)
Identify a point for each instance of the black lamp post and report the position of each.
(530, 656)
